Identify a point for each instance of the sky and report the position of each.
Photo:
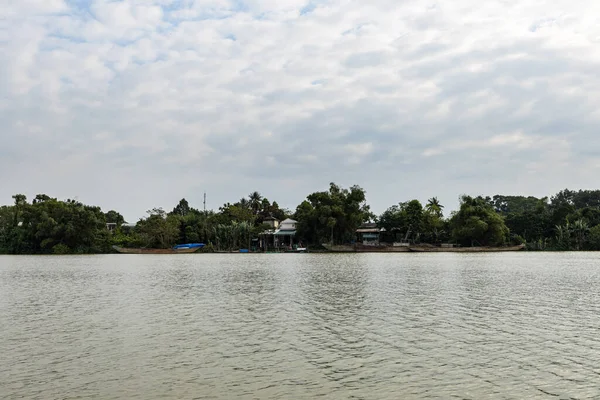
(133, 104)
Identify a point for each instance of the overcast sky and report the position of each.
(135, 104)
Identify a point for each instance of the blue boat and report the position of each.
(189, 246)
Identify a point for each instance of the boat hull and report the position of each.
(186, 250)
(359, 248)
(423, 249)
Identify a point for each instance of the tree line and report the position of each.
(569, 220)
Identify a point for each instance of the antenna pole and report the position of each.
(205, 219)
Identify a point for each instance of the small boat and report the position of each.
(365, 248)
(179, 249)
(481, 249)
(403, 248)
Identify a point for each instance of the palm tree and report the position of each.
(434, 207)
(437, 233)
(580, 229)
(255, 201)
(244, 203)
(563, 235)
(244, 233)
(331, 222)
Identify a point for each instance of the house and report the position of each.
(284, 236)
(368, 234)
(111, 226)
(272, 222)
(281, 237)
(288, 225)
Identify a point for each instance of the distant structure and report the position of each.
(368, 234)
(272, 222)
(279, 236)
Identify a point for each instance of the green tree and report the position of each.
(434, 207)
(347, 207)
(20, 204)
(331, 222)
(113, 216)
(594, 238)
(580, 232)
(405, 220)
(158, 230)
(476, 222)
(182, 209)
(45, 223)
(255, 200)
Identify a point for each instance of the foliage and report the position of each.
(476, 222)
(404, 220)
(569, 220)
(158, 230)
(333, 215)
(434, 207)
(50, 226)
(410, 221)
(61, 249)
(114, 217)
(594, 238)
(182, 208)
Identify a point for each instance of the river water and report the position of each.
(301, 326)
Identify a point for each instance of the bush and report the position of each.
(518, 239)
(594, 238)
(209, 248)
(61, 249)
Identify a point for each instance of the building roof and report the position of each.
(368, 225)
(270, 218)
(367, 230)
(288, 221)
(280, 232)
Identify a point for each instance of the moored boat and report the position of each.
(179, 249)
(362, 248)
(480, 249)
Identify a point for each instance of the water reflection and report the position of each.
(300, 326)
(331, 298)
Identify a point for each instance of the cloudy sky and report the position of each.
(137, 103)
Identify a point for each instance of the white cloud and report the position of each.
(231, 97)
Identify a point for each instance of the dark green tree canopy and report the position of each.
(113, 216)
(477, 222)
(182, 209)
(347, 207)
(569, 220)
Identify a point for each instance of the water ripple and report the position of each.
(494, 326)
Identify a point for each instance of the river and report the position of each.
(301, 326)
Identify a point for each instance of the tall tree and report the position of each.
(405, 220)
(476, 222)
(158, 230)
(114, 217)
(434, 207)
(255, 199)
(347, 207)
(182, 208)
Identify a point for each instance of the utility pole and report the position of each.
(205, 219)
